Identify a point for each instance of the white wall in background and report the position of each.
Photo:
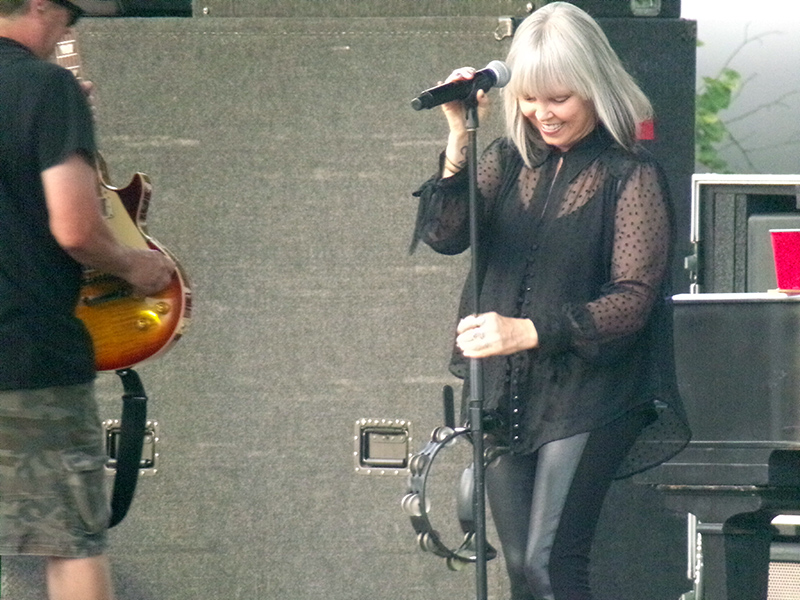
(771, 65)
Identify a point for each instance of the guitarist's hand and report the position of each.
(149, 271)
(88, 90)
(79, 227)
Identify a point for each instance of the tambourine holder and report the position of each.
(476, 366)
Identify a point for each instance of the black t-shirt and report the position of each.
(44, 119)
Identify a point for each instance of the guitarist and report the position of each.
(52, 497)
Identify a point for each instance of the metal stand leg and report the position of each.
(694, 551)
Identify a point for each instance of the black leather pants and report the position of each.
(546, 505)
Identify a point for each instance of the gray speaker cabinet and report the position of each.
(283, 153)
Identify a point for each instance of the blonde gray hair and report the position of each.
(561, 47)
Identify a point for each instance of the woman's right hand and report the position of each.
(456, 112)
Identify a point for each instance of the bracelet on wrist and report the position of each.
(451, 165)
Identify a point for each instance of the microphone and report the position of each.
(495, 74)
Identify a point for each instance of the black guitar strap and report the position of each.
(131, 440)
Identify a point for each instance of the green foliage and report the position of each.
(715, 95)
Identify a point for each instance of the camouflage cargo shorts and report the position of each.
(53, 499)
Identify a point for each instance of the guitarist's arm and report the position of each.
(77, 223)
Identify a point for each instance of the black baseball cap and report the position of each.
(75, 11)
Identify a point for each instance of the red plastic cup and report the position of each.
(786, 252)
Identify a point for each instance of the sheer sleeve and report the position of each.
(443, 212)
(640, 257)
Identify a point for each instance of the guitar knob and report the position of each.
(147, 320)
(161, 308)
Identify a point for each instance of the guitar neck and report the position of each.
(67, 56)
(122, 223)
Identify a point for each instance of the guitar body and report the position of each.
(124, 328)
(127, 329)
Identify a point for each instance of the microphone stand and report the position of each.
(475, 366)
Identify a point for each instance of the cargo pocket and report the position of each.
(86, 482)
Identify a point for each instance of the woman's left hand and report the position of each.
(490, 334)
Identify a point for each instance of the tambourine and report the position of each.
(416, 503)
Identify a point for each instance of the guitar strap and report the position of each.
(131, 440)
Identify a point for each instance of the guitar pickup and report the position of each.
(117, 294)
(100, 288)
(93, 278)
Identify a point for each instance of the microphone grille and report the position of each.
(501, 71)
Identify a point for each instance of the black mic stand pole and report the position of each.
(475, 366)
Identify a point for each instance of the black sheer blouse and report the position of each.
(580, 244)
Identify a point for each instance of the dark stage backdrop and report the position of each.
(283, 153)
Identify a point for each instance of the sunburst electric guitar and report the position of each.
(127, 329)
